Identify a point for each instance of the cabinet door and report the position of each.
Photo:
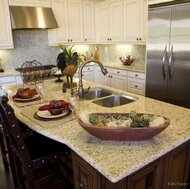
(75, 24)
(7, 80)
(85, 176)
(179, 167)
(119, 82)
(144, 179)
(43, 3)
(116, 24)
(89, 21)
(109, 22)
(61, 34)
(102, 79)
(103, 23)
(69, 18)
(143, 20)
(88, 73)
(134, 24)
(6, 39)
(131, 20)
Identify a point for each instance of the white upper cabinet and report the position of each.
(109, 22)
(6, 39)
(69, 15)
(42, 3)
(150, 2)
(89, 21)
(134, 17)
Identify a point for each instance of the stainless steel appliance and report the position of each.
(168, 54)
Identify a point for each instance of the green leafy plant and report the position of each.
(69, 53)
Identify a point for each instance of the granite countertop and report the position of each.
(133, 67)
(115, 160)
(9, 72)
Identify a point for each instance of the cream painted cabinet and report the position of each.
(69, 15)
(115, 78)
(6, 39)
(136, 82)
(109, 22)
(7, 80)
(42, 3)
(89, 21)
(134, 20)
(150, 2)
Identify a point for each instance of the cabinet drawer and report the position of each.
(7, 79)
(118, 72)
(136, 85)
(87, 69)
(137, 75)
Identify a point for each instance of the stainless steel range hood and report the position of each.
(32, 18)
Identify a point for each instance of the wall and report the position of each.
(33, 45)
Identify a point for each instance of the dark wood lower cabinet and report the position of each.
(171, 171)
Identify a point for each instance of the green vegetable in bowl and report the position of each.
(94, 119)
(140, 120)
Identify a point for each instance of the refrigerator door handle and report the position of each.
(170, 62)
(164, 61)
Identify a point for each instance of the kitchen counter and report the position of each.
(9, 72)
(115, 160)
(133, 67)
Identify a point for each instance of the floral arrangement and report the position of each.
(71, 55)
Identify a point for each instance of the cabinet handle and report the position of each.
(83, 185)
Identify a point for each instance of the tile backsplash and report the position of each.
(33, 45)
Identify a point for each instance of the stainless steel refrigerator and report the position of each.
(168, 54)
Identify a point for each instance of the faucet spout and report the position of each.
(81, 89)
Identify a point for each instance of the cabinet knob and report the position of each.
(85, 39)
(136, 86)
(111, 76)
(83, 185)
(136, 75)
(140, 39)
(118, 71)
(68, 40)
(71, 40)
(137, 38)
(110, 39)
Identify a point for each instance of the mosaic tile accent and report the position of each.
(33, 45)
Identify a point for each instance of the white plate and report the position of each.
(27, 99)
(47, 114)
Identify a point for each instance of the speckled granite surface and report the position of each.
(114, 160)
(133, 67)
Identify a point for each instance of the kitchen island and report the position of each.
(161, 162)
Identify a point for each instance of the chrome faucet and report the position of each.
(81, 91)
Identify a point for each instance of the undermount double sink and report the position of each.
(108, 98)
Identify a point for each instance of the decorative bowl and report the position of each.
(126, 61)
(56, 111)
(123, 133)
